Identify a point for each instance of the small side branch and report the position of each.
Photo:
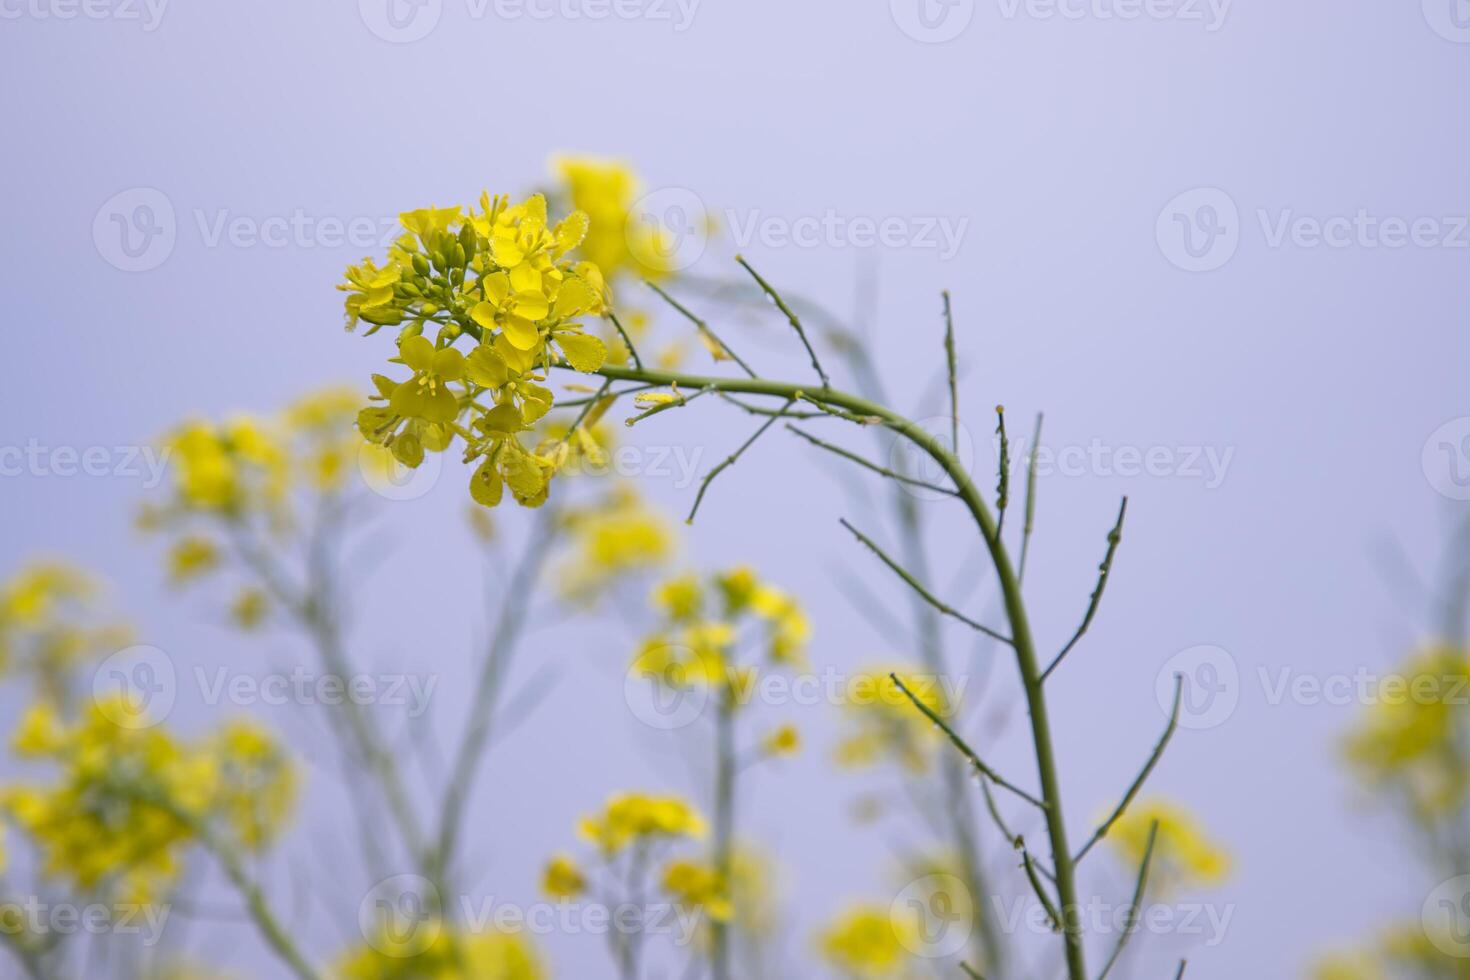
(627, 341)
(730, 460)
(924, 593)
(950, 363)
(1130, 921)
(1103, 571)
(1138, 781)
(964, 748)
(1003, 483)
(1030, 500)
(971, 972)
(701, 326)
(1052, 914)
(880, 470)
(679, 402)
(790, 316)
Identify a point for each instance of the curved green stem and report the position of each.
(1021, 637)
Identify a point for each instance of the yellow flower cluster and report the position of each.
(613, 537)
(1183, 855)
(128, 801)
(257, 470)
(448, 955)
(501, 275)
(866, 942)
(50, 625)
(695, 644)
(1406, 950)
(1413, 741)
(640, 818)
(698, 884)
(248, 464)
(886, 726)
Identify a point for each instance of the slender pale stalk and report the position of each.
(508, 629)
(724, 817)
(1020, 634)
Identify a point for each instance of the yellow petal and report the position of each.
(583, 352)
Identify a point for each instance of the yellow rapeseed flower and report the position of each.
(1182, 855)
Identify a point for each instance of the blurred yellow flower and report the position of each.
(613, 538)
(51, 624)
(447, 955)
(127, 801)
(865, 942)
(192, 557)
(630, 817)
(695, 884)
(1182, 856)
(617, 242)
(884, 724)
(1412, 738)
(562, 878)
(785, 740)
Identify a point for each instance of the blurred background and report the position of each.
(1222, 246)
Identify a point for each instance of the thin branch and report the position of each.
(1040, 889)
(1131, 919)
(1138, 781)
(1012, 838)
(627, 341)
(1003, 483)
(790, 316)
(1180, 973)
(701, 326)
(954, 391)
(1030, 500)
(1103, 570)
(679, 402)
(970, 971)
(750, 409)
(880, 470)
(964, 747)
(587, 410)
(924, 593)
(730, 461)
(863, 420)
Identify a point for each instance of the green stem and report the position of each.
(724, 824)
(1021, 637)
